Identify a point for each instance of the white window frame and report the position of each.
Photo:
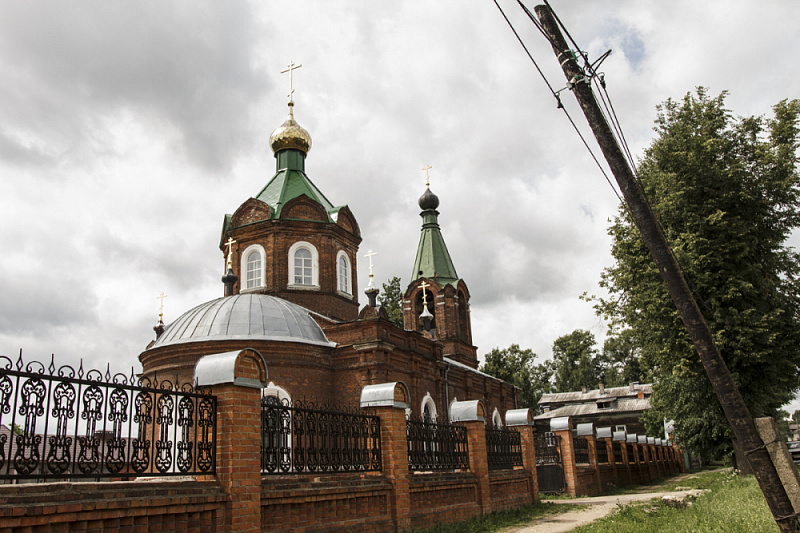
(314, 266)
(497, 420)
(427, 401)
(243, 267)
(348, 289)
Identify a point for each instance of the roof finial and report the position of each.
(370, 255)
(427, 177)
(229, 243)
(159, 327)
(292, 67)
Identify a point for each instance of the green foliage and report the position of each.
(782, 421)
(725, 190)
(391, 299)
(517, 367)
(576, 362)
(796, 417)
(621, 353)
(733, 504)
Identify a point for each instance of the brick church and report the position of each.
(291, 294)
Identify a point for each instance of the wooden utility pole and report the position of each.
(729, 396)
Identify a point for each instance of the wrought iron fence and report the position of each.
(581, 445)
(617, 447)
(305, 437)
(66, 423)
(548, 449)
(641, 453)
(434, 446)
(631, 454)
(503, 448)
(602, 451)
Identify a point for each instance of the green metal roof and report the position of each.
(433, 260)
(289, 182)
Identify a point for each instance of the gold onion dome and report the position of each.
(290, 134)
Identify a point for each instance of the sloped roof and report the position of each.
(287, 184)
(633, 406)
(594, 395)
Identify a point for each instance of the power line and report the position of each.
(556, 93)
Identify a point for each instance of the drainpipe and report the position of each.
(447, 393)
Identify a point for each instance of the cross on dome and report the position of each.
(229, 243)
(161, 305)
(424, 286)
(427, 177)
(290, 69)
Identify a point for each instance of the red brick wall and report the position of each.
(510, 489)
(123, 506)
(332, 502)
(444, 497)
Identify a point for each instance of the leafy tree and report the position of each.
(796, 417)
(576, 361)
(622, 354)
(516, 366)
(391, 299)
(725, 190)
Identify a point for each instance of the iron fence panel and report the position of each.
(305, 437)
(64, 423)
(433, 446)
(503, 448)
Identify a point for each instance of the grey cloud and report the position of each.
(190, 67)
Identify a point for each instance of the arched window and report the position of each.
(497, 420)
(253, 267)
(419, 307)
(344, 281)
(303, 266)
(428, 410)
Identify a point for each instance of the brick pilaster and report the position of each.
(478, 461)
(568, 460)
(529, 457)
(597, 482)
(611, 460)
(394, 456)
(239, 455)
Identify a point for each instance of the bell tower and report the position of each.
(436, 301)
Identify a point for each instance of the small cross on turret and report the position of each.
(427, 177)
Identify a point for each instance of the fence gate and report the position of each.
(549, 467)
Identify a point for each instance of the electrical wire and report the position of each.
(557, 97)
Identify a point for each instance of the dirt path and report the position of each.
(600, 506)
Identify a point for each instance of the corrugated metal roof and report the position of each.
(594, 394)
(621, 406)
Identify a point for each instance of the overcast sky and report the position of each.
(128, 130)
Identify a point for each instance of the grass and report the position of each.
(502, 519)
(734, 505)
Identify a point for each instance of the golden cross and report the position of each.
(427, 178)
(161, 306)
(370, 254)
(229, 243)
(423, 286)
(291, 68)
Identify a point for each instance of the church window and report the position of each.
(497, 420)
(253, 267)
(343, 277)
(303, 266)
(428, 409)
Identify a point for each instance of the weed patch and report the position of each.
(502, 519)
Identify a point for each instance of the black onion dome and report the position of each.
(428, 200)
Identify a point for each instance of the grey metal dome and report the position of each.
(244, 316)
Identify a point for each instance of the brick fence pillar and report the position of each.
(562, 428)
(237, 378)
(472, 415)
(390, 401)
(522, 420)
